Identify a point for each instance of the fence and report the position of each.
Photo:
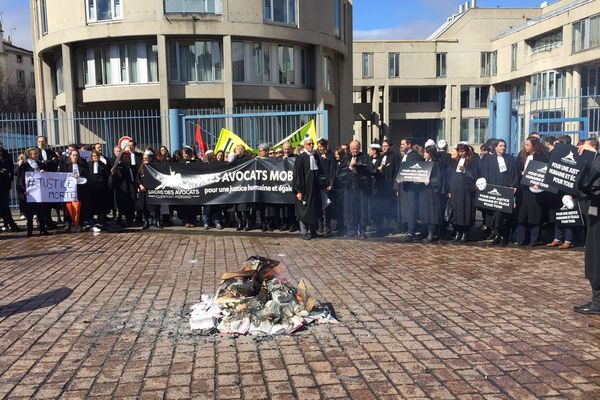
(254, 123)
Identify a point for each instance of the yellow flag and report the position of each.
(228, 141)
(297, 137)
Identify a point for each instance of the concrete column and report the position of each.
(364, 123)
(68, 126)
(320, 87)
(527, 115)
(385, 123)
(163, 79)
(576, 93)
(48, 99)
(228, 79)
(375, 120)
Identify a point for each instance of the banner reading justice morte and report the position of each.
(260, 180)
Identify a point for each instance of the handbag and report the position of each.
(449, 212)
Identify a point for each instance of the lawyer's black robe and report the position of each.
(589, 184)
(390, 163)
(357, 190)
(306, 181)
(329, 166)
(531, 206)
(101, 197)
(430, 212)
(125, 184)
(409, 194)
(461, 186)
(509, 178)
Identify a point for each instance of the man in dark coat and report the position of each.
(7, 173)
(307, 170)
(589, 184)
(357, 190)
(409, 193)
(288, 214)
(378, 182)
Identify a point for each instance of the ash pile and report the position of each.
(259, 300)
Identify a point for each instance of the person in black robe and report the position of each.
(31, 209)
(147, 210)
(430, 213)
(7, 172)
(288, 212)
(78, 167)
(589, 185)
(531, 201)
(101, 196)
(125, 185)
(408, 192)
(329, 166)
(375, 204)
(307, 172)
(244, 213)
(461, 183)
(388, 168)
(337, 198)
(357, 190)
(500, 169)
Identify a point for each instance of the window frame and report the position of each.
(441, 58)
(271, 17)
(116, 7)
(215, 44)
(514, 51)
(43, 16)
(370, 65)
(489, 63)
(394, 65)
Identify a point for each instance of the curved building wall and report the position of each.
(194, 53)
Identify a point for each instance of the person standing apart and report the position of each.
(307, 172)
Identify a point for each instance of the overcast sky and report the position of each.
(373, 19)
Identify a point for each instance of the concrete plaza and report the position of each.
(105, 316)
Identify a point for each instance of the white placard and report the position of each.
(50, 187)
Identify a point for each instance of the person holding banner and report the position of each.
(124, 183)
(288, 213)
(499, 168)
(307, 172)
(408, 192)
(75, 211)
(329, 166)
(31, 209)
(462, 176)
(7, 172)
(390, 162)
(101, 198)
(530, 200)
(244, 213)
(430, 211)
(589, 185)
(142, 195)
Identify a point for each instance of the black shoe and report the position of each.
(284, 227)
(29, 230)
(503, 242)
(457, 237)
(535, 244)
(520, 243)
(306, 236)
(464, 238)
(497, 240)
(429, 238)
(350, 234)
(589, 308)
(248, 226)
(158, 224)
(218, 226)
(263, 227)
(294, 228)
(15, 228)
(146, 225)
(484, 228)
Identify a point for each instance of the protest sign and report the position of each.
(50, 187)
(565, 166)
(535, 174)
(414, 171)
(496, 198)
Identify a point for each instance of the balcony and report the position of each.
(214, 7)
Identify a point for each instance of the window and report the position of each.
(19, 59)
(394, 65)
(194, 6)
(513, 57)
(281, 11)
(285, 56)
(328, 73)
(43, 17)
(199, 61)
(586, 34)
(338, 18)
(546, 42)
(474, 130)
(119, 63)
(261, 63)
(307, 67)
(103, 10)
(367, 65)
(488, 63)
(237, 58)
(474, 96)
(440, 66)
(60, 86)
(20, 77)
(547, 84)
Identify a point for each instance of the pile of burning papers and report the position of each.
(259, 300)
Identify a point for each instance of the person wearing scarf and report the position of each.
(31, 209)
(101, 197)
(75, 211)
(306, 186)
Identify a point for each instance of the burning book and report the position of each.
(259, 300)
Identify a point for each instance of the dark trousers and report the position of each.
(534, 233)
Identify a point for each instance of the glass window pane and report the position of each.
(286, 65)
(217, 61)
(173, 65)
(132, 58)
(291, 17)
(123, 62)
(152, 54)
(267, 10)
(279, 10)
(103, 10)
(237, 57)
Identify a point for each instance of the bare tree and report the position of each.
(15, 97)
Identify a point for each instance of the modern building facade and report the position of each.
(186, 54)
(547, 58)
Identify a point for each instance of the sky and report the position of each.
(373, 19)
